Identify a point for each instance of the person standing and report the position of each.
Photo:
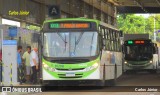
(26, 57)
(19, 61)
(0, 55)
(34, 64)
(0, 65)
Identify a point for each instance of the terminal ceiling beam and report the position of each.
(140, 4)
(113, 2)
(158, 2)
(129, 9)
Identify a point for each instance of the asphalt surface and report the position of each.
(127, 84)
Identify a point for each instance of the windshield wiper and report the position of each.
(75, 45)
(64, 40)
(65, 43)
(91, 44)
(77, 41)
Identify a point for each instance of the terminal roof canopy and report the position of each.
(137, 6)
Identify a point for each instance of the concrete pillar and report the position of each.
(22, 24)
(102, 17)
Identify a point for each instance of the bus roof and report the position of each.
(71, 19)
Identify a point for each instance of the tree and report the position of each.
(33, 27)
(131, 23)
(150, 24)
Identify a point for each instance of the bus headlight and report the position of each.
(51, 69)
(95, 65)
(125, 62)
(150, 61)
(48, 68)
(45, 66)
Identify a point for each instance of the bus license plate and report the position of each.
(70, 74)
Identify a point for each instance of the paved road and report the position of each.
(95, 93)
(127, 82)
(139, 79)
(87, 93)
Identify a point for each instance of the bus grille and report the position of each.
(76, 76)
(70, 69)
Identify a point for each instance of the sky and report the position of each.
(144, 15)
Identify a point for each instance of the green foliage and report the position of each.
(131, 23)
(33, 27)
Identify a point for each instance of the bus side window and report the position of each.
(102, 37)
(103, 42)
(100, 42)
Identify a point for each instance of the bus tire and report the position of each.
(100, 84)
(153, 71)
(110, 82)
(43, 88)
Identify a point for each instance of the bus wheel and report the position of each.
(100, 84)
(44, 88)
(111, 82)
(153, 71)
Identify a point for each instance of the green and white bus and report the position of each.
(140, 54)
(80, 50)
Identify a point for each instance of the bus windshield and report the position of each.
(138, 53)
(70, 44)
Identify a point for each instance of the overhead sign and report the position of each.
(139, 42)
(12, 31)
(54, 11)
(134, 42)
(69, 25)
(9, 42)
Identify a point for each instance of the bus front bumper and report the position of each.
(129, 66)
(69, 82)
